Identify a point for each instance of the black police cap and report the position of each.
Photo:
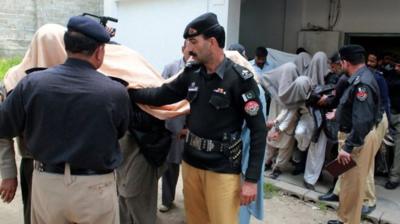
(89, 28)
(205, 23)
(348, 51)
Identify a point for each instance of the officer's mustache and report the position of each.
(191, 53)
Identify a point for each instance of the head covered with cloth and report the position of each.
(285, 85)
(47, 49)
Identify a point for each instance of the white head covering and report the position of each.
(286, 87)
(318, 68)
(45, 50)
(302, 62)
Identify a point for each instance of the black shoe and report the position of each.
(334, 222)
(267, 166)
(391, 185)
(275, 174)
(309, 186)
(329, 197)
(367, 209)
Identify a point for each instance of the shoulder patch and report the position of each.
(361, 93)
(249, 95)
(252, 107)
(243, 72)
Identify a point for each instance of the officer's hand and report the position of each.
(8, 187)
(330, 115)
(248, 193)
(344, 157)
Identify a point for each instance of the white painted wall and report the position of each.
(155, 27)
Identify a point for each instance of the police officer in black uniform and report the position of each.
(358, 113)
(71, 117)
(222, 96)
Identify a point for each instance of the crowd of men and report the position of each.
(310, 135)
(93, 147)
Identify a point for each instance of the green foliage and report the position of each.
(270, 190)
(322, 206)
(7, 63)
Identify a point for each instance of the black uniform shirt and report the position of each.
(358, 110)
(340, 87)
(217, 112)
(68, 114)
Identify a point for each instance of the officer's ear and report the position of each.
(98, 55)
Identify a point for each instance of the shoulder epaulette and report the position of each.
(243, 72)
(357, 80)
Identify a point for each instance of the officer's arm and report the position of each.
(168, 93)
(12, 115)
(8, 166)
(124, 114)
(363, 117)
(258, 131)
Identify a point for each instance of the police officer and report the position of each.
(358, 113)
(222, 95)
(71, 117)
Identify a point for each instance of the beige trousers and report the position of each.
(65, 199)
(354, 180)
(370, 197)
(210, 198)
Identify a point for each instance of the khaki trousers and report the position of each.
(354, 180)
(283, 157)
(64, 199)
(210, 198)
(370, 197)
(395, 170)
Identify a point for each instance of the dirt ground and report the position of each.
(279, 209)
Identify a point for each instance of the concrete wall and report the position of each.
(19, 19)
(262, 23)
(357, 15)
(277, 24)
(155, 27)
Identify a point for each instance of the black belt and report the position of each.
(231, 150)
(59, 169)
(208, 145)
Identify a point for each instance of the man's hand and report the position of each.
(322, 100)
(344, 157)
(274, 135)
(8, 187)
(110, 31)
(270, 124)
(248, 193)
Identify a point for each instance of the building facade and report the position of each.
(19, 19)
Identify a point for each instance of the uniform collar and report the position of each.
(357, 74)
(78, 63)
(221, 68)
